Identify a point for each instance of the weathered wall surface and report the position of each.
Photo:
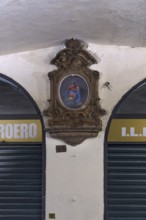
(74, 180)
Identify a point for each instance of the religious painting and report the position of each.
(74, 92)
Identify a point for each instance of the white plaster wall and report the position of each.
(74, 183)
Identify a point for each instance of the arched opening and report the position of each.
(22, 154)
(125, 158)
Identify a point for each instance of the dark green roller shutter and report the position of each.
(20, 182)
(126, 198)
(22, 164)
(125, 162)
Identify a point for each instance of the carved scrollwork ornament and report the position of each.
(74, 112)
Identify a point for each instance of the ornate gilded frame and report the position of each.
(74, 110)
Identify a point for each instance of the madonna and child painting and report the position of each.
(74, 91)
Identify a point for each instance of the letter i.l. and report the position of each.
(131, 132)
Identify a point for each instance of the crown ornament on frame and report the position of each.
(74, 112)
